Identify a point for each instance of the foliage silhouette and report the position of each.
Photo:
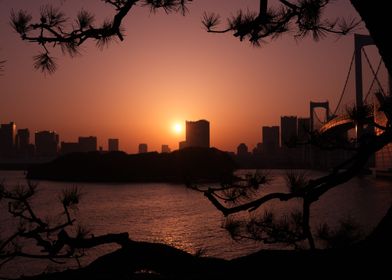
(302, 18)
(64, 239)
(305, 18)
(50, 239)
(308, 190)
(2, 63)
(143, 260)
(54, 29)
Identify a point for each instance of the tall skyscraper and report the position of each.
(198, 134)
(288, 126)
(88, 144)
(143, 148)
(46, 143)
(7, 138)
(113, 145)
(270, 138)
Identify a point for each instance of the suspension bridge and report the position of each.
(339, 120)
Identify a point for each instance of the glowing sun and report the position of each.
(177, 128)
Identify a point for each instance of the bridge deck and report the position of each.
(340, 121)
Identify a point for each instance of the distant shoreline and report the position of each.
(28, 166)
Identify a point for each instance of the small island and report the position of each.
(181, 166)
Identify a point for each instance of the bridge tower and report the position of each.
(314, 105)
(360, 41)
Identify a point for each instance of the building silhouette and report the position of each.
(88, 144)
(143, 148)
(242, 150)
(165, 149)
(303, 129)
(113, 145)
(258, 150)
(22, 142)
(7, 139)
(46, 143)
(69, 147)
(182, 145)
(305, 149)
(288, 127)
(197, 134)
(270, 139)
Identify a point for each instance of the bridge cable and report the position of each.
(318, 118)
(374, 73)
(345, 84)
(374, 79)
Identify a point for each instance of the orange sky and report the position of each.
(169, 70)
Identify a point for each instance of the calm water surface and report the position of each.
(184, 218)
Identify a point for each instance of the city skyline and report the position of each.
(195, 75)
(197, 134)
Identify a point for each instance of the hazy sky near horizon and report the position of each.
(168, 70)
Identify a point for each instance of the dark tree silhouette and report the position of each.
(2, 62)
(266, 228)
(51, 239)
(59, 237)
(303, 17)
(53, 29)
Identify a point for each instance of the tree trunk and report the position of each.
(377, 18)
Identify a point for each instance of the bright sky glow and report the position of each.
(168, 66)
(177, 128)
